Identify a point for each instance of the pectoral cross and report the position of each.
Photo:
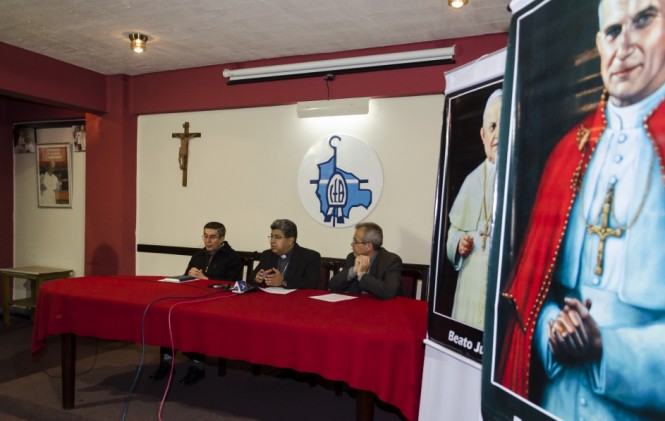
(484, 235)
(603, 230)
(184, 149)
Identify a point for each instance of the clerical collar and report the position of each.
(284, 260)
(288, 254)
(632, 116)
(212, 253)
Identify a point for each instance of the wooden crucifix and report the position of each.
(184, 149)
(603, 230)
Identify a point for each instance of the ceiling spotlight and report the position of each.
(138, 42)
(457, 4)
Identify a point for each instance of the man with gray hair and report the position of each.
(595, 237)
(286, 264)
(369, 268)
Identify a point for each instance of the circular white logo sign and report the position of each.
(340, 181)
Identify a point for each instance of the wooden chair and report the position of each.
(249, 260)
(329, 267)
(414, 281)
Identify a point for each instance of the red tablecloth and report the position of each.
(368, 343)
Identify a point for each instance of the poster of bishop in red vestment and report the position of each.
(576, 281)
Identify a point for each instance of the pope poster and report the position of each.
(576, 297)
(465, 205)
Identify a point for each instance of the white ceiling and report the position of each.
(190, 33)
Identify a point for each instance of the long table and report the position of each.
(372, 345)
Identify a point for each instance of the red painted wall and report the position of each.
(23, 111)
(114, 106)
(6, 189)
(205, 88)
(42, 79)
(110, 202)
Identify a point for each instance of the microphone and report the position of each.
(241, 287)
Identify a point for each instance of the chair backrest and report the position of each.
(414, 281)
(329, 267)
(249, 261)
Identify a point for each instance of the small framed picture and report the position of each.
(24, 139)
(78, 134)
(54, 175)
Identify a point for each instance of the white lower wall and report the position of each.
(48, 236)
(451, 386)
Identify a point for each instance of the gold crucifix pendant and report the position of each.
(484, 235)
(604, 230)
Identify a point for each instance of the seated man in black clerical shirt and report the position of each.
(217, 260)
(286, 264)
(369, 267)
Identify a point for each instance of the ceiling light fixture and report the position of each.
(138, 42)
(341, 65)
(457, 4)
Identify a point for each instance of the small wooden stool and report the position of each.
(36, 274)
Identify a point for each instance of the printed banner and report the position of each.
(576, 302)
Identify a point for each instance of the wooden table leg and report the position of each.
(7, 296)
(364, 405)
(68, 350)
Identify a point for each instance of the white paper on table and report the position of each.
(277, 290)
(333, 298)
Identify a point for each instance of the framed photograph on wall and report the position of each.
(54, 175)
(24, 139)
(78, 136)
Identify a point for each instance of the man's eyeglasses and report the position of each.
(354, 242)
(210, 237)
(275, 237)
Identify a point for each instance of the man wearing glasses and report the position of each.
(369, 268)
(216, 260)
(286, 264)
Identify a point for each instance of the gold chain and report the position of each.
(486, 216)
(639, 209)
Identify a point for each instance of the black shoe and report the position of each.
(193, 376)
(162, 371)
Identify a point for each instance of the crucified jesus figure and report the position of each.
(184, 149)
